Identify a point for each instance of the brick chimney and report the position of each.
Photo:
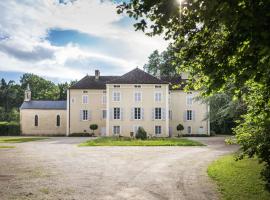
(97, 74)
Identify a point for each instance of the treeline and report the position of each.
(12, 94)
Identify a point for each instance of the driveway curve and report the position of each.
(57, 168)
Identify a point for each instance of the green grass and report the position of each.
(6, 147)
(124, 141)
(20, 139)
(238, 179)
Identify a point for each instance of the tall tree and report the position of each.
(220, 42)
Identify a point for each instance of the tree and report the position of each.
(179, 128)
(93, 127)
(220, 42)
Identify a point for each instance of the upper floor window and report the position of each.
(85, 115)
(116, 96)
(137, 113)
(137, 86)
(116, 86)
(138, 96)
(58, 120)
(157, 86)
(85, 99)
(116, 113)
(104, 114)
(158, 96)
(104, 99)
(189, 115)
(85, 91)
(36, 120)
(157, 113)
(189, 100)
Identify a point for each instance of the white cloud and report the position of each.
(25, 25)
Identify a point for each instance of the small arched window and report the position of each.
(36, 120)
(58, 120)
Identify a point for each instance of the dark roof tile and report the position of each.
(40, 104)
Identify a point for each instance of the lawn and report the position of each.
(124, 141)
(20, 139)
(6, 147)
(238, 179)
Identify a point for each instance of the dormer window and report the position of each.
(85, 91)
(137, 86)
(116, 86)
(157, 86)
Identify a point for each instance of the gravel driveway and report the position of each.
(57, 169)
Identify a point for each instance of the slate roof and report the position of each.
(40, 104)
(89, 82)
(175, 82)
(137, 76)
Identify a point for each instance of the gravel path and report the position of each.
(57, 169)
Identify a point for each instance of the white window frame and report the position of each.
(189, 115)
(158, 118)
(189, 128)
(160, 130)
(137, 96)
(104, 114)
(159, 95)
(138, 114)
(85, 97)
(85, 115)
(189, 100)
(116, 115)
(113, 130)
(115, 98)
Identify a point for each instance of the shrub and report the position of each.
(179, 128)
(141, 134)
(85, 134)
(93, 127)
(9, 128)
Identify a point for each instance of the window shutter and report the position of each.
(163, 113)
(153, 113)
(81, 115)
(122, 114)
(89, 115)
(111, 113)
(185, 116)
(142, 113)
(132, 114)
(193, 115)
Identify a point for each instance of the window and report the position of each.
(104, 99)
(73, 100)
(58, 120)
(85, 91)
(85, 99)
(157, 96)
(157, 130)
(137, 113)
(116, 96)
(138, 96)
(85, 115)
(189, 100)
(137, 86)
(116, 130)
(189, 130)
(116, 86)
(36, 120)
(104, 114)
(157, 86)
(157, 113)
(116, 113)
(189, 115)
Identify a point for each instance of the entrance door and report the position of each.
(103, 131)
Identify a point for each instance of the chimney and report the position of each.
(97, 73)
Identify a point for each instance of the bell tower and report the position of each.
(27, 94)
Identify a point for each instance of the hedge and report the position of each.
(9, 128)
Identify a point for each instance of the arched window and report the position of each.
(36, 120)
(58, 120)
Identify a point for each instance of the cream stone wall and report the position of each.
(178, 106)
(127, 102)
(95, 106)
(46, 122)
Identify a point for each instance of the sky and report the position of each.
(64, 40)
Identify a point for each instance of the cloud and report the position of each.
(24, 46)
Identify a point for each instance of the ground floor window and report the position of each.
(189, 130)
(58, 120)
(36, 120)
(189, 115)
(157, 130)
(116, 130)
